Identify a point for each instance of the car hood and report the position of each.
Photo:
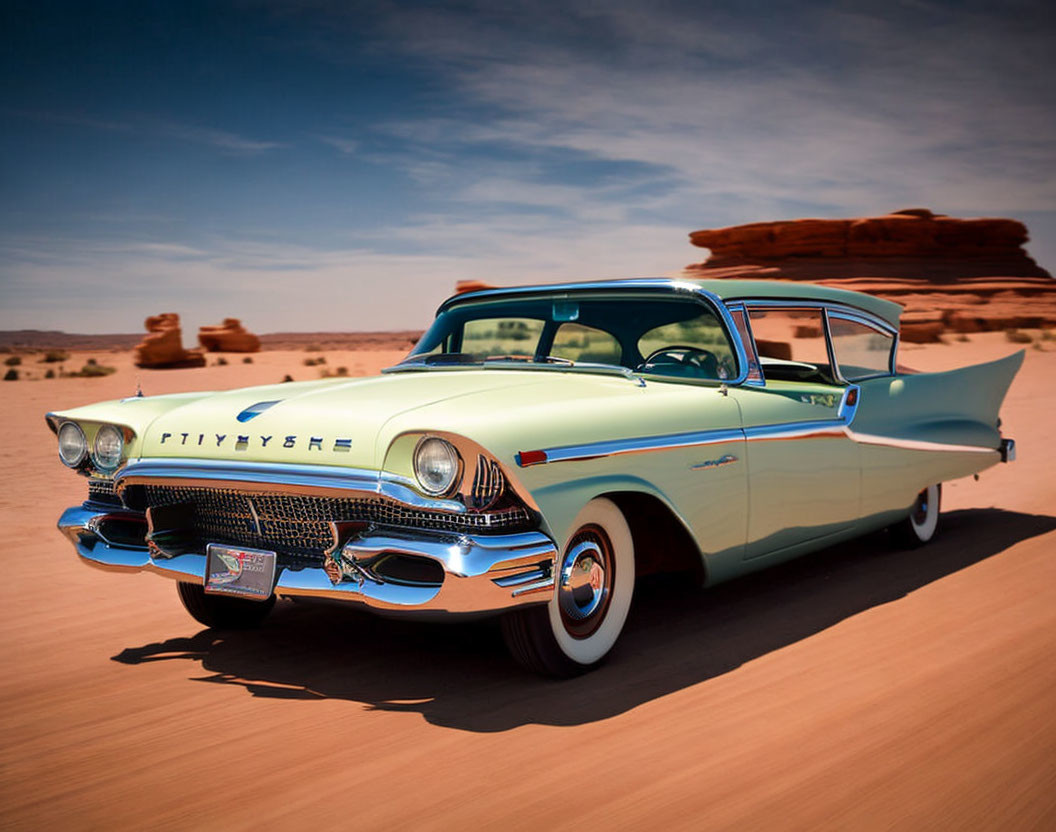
(329, 422)
(351, 422)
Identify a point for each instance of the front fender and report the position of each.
(560, 502)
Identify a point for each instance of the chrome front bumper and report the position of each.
(483, 574)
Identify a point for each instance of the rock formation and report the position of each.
(230, 336)
(163, 348)
(964, 275)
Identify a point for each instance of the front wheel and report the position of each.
(594, 584)
(220, 612)
(923, 521)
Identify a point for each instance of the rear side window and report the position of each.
(862, 351)
(792, 344)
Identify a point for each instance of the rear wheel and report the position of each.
(594, 584)
(221, 612)
(923, 521)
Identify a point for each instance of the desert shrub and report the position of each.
(963, 338)
(13, 361)
(287, 377)
(342, 371)
(1017, 337)
(94, 370)
(247, 360)
(50, 373)
(11, 375)
(55, 356)
(221, 362)
(1047, 335)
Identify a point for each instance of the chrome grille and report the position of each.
(102, 490)
(488, 483)
(298, 525)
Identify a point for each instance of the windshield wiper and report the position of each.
(441, 358)
(530, 359)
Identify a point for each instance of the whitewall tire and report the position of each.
(594, 585)
(922, 524)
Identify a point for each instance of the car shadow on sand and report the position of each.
(458, 675)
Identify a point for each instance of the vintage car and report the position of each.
(538, 450)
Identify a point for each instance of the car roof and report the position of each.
(725, 290)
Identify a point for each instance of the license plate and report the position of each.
(247, 573)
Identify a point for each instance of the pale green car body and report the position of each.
(755, 472)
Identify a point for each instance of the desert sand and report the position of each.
(858, 688)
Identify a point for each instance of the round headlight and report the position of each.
(109, 443)
(436, 465)
(72, 445)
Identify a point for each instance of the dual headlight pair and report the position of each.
(106, 452)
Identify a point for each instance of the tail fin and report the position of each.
(957, 407)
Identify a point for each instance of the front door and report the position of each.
(804, 472)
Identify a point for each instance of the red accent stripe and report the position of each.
(526, 458)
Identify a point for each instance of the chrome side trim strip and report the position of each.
(615, 447)
(818, 428)
(917, 444)
(279, 476)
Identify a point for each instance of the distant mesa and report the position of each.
(230, 336)
(950, 274)
(162, 348)
(471, 286)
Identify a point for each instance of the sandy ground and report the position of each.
(859, 688)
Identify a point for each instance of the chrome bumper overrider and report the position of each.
(482, 574)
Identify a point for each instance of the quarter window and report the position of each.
(862, 351)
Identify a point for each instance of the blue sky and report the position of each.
(338, 166)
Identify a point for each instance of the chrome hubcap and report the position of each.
(920, 509)
(585, 582)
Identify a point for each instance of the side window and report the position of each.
(585, 343)
(861, 351)
(791, 344)
(694, 348)
(484, 337)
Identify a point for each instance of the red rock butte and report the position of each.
(230, 336)
(964, 275)
(162, 348)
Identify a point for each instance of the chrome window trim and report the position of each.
(830, 348)
(836, 308)
(739, 306)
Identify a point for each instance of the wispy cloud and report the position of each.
(341, 145)
(849, 110)
(146, 125)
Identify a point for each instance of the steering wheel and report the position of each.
(700, 362)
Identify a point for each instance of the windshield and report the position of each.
(669, 336)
